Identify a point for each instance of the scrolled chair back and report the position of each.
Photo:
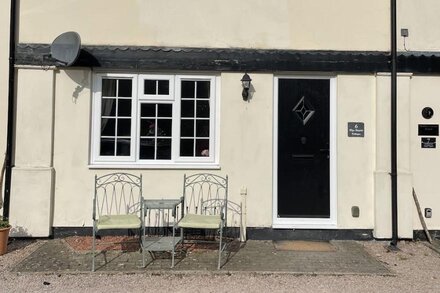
(205, 194)
(117, 194)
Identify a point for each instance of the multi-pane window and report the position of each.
(116, 117)
(195, 118)
(155, 131)
(154, 119)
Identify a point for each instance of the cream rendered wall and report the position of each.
(4, 75)
(32, 175)
(425, 163)
(356, 155)
(422, 20)
(281, 24)
(245, 150)
(382, 178)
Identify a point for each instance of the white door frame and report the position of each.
(307, 223)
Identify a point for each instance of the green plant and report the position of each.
(4, 223)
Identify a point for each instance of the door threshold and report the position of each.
(316, 224)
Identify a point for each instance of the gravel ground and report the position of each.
(417, 269)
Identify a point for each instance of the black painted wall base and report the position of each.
(261, 233)
(309, 234)
(252, 233)
(420, 235)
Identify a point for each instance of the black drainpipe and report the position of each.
(394, 222)
(11, 107)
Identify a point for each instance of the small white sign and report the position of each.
(356, 129)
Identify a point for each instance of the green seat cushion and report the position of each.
(118, 222)
(200, 221)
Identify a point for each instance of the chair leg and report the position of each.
(93, 249)
(220, 247)
(181, 235)
(174, 248)
(141, 231)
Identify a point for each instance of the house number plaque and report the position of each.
(356, 129)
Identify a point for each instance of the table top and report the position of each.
(161, 203)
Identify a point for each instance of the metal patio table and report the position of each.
(156, 243)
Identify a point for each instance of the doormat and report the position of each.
(299, 245)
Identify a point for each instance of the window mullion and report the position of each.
(155, 129)
(116, 119)
(194, 118)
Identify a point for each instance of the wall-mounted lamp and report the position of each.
(246, 82)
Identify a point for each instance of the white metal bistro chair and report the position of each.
(205, 201)
(117, 204)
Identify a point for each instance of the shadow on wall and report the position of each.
(155, 220)
(18, 231)
(82, 79)
(235, 219)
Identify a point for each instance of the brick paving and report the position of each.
(349, 257)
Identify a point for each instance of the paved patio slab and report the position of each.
(349, 257)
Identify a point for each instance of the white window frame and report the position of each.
(176, 161)
(307, 223)
(212, 115)
(141, 84)
(96, 119)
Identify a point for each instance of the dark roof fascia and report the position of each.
(232, 59)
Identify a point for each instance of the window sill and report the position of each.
(156, 166)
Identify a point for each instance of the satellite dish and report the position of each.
(65, 48)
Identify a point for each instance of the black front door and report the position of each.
(303, 148)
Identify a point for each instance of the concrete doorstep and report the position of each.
(260, 257)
